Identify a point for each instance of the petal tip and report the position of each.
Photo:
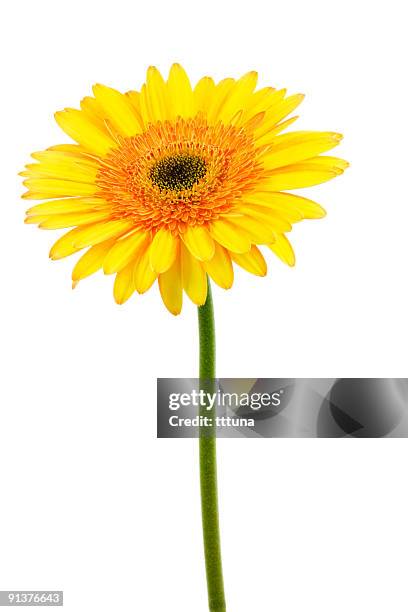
(96, 87)
(175, 313)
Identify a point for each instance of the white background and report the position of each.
(91, 502)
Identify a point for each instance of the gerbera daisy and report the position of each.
(174, 183)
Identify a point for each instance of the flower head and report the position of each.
(173, 183)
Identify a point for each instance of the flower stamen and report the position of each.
(178, 172)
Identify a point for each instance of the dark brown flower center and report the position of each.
(178, 172)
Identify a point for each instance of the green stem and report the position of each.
(208, 463)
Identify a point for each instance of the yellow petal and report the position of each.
(229, 236)
(133, 97)
(123, 286)
(220, 95)
(163, 250)
(274, 102)
(257, 102)
(124, 251)
(70, 172)
(304, 174)
(94, 110)
(277, 112)
(267, 139)
(236, 119)
(297, 146)
(283, 249)
(70, 148)
(65, 151)
(118, 110)
(252, 124)
(158, 95)
(220, 267)
(65, 246)
(171, 288)
(68, 205)
(194, 277)
(145, 108)
(199, 242)
(70, 219)
(202, 95)
(77, 124)
(91, 261)
(35, 219)
(62, 165)
(98, 232)
(180, 92)
(289, 205)
(272, 211)
(238, 96)
(253, 261)
(143, 274)
(329, 162)
(45, 188)
(257, 231)
(269, 217)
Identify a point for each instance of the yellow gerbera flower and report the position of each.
(173, 182)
